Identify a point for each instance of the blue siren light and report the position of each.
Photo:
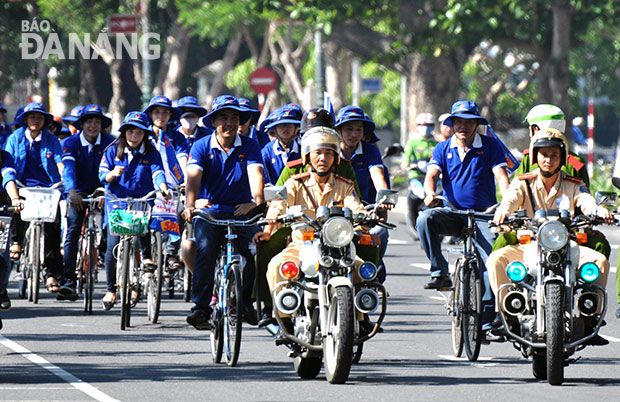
(516, 271)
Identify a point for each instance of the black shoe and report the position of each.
(5, 302)
(618, 313)
(107, 305)
(490, 336)
(250, 315)
(200, 319)
(366, 326)
(439, 283)
(597, 341)
(67, 293)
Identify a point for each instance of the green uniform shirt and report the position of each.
(418, 148)
(343, 168)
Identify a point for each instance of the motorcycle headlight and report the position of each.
(516, 271)
(553, 235)
(337, 232)
(589, 272)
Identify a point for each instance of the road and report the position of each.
(52, 351)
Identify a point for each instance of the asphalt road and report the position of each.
(52, 351)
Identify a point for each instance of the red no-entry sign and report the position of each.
(119, 23)
(263, 80)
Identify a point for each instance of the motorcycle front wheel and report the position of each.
(307, 367)
(554, 322)
(338, 344)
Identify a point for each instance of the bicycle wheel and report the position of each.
(80, 273)
(187, 285)
(232, 314)
(216, 336)
(455, 305)
(35, 252)
(472, 311)
(154, 283)
(89, 269)
(124, 283)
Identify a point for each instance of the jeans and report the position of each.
(210, 238)
(75, 219)
(110, 259)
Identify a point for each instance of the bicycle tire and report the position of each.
(156, 278)
(187, 285)
(472, 312)
(232, 314)
(90, 269)
(36, 262)
(455, 305)
(79, 266)
(124, 283)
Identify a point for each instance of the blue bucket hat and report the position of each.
(288, 114)
(226, 102)
(34, 107)
(465, 110)
(73, 116)
(19, 111)
(247, 105)
(162, 100)
(93, 110)
(354, 113)
(136, 119)
(370, 137)
(189, 102)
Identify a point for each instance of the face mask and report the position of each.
(189, 123)
(424, 131)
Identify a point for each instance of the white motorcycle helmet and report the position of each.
(320, 138)
(546, 116)
(425, 124)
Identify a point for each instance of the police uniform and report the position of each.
(568, 192)
(337, 191)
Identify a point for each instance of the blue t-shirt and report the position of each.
(81, 160)
(186, 142)
(469, 184)
(366, 156)
(225, 181)
(275, 158)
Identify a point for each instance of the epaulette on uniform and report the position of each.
(574, 162)
(526, 151)
(527, 176)
(573, 179)
(348, 181)
(300, 176)
(296, 162)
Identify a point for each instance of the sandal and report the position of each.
(52, 285)
(15, 251)
(173, 263)
(108, 304)
(135, 298)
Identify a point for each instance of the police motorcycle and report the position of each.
(551, 307)
(321, 296)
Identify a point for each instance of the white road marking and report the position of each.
(476, 363)
(57, 371)
(397, 242)
(436, 298)
(610, 338)
(425, 267)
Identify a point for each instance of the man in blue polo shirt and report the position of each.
(285, 147)
(81, 155)
(468, 164)
(225, 169)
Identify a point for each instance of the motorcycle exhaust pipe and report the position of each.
(588, 303)
(366, 300)
(514, 303)
(288, 301)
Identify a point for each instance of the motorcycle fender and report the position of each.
(339, 281)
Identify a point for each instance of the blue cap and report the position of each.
(34, 107)
(73, 116)
(136, 119)
(465, 110)
(226, 102)
(189, 102)
(162, 100)
(93, 110)
(354, 113)
(247, 105)
(288, 114)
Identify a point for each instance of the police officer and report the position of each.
(285, 147)
(81, 155)
(225, 169)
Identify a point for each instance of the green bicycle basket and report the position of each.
(132, 223)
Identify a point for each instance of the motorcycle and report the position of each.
(321, 296)
(551, 308)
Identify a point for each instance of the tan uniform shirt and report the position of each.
(567, 193)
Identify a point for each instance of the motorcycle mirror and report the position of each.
(392, 150)
(387, 197)
(607, 199)
(275, 193)
(616, 182)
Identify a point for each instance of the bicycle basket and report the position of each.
(129, 219)
(40, 204)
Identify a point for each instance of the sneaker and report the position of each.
(67, 293)
(200, 319)
(250, 315)
(5, 302)
(439, 282)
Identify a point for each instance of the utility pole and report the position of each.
(319, 74)
(146, 63)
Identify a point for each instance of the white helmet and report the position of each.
(320, 138)
(425, 119)
(546, 116)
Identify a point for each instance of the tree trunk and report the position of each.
(117, 103)
(559, 74)
(173, 62)
(337, 73)
(88, 91)
(230, 56)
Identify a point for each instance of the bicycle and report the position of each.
(40, 206)
(228, 292)
(178, 278)
(87, 265)
(464, 302)
(129, 217)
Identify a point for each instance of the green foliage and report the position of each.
(383, 108)
(601, 179)
(239, 78)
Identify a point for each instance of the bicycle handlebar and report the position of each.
(468, 212)
(201, 214)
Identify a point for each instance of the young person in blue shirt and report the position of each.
(352, 125)
(38, 162)
(285, 147)
(9, 195)
(72, 117)
(249, 128)
(226, 169)
(81, 155)
(469, 164)
(188, 131)
(130, 167)
(5, 129)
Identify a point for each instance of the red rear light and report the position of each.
(289, 270)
